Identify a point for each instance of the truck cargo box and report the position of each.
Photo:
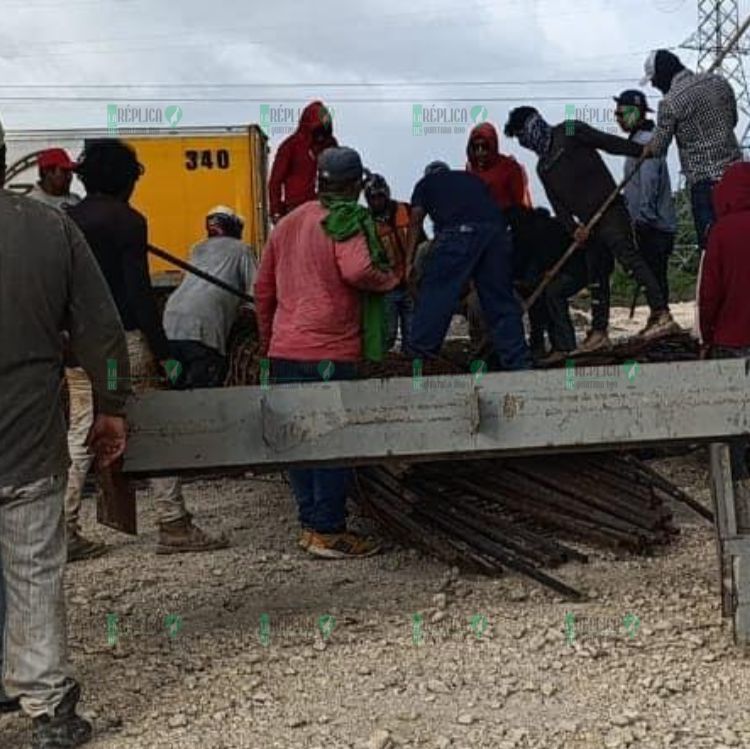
(187, 172)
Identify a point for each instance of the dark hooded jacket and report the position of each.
(724, 300)
(294, 171)
(504, 176)
(574, 175)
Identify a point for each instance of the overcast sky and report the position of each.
(57, 56)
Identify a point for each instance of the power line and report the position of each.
(214, 100)
(322, 84)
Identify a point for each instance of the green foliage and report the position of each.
(683, 265)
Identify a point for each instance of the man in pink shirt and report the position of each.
(310, 297)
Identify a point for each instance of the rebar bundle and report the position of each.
(488, 515)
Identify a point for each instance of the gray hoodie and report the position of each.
(649, 193)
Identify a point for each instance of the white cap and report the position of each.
(224, 210)
(649, 68)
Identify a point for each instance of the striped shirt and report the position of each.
(700, 111)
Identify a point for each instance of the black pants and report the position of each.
(656, 246)
(562, 335)
(614, 238)
(202, 366)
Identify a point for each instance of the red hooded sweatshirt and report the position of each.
(294, 169)
(504, 176)
(724, 293)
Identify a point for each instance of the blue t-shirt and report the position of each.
(454, 198)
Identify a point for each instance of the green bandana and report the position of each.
(346, 219)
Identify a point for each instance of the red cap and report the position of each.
(53, 157)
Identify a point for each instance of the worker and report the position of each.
(117, 234)
(392, 221)
(539, 241)
(700, 111)
(725, 280)
(55, 177)
(292, 181)
(198, 316)
(505, 177)
(471, 243)
(508, 183)
(321, 278)
(49, 276)
(648, 194)
(578, 183)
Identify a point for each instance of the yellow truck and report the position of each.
(187, 172)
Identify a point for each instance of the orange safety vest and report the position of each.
(394, 233)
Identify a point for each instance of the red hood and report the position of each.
(485, 131)
(313, 115)
(732, 194)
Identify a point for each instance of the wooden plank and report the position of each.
(371, 421)
(115, 501)
(722, 493)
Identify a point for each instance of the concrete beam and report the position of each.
(434, 418)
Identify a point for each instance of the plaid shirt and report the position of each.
(700, 110)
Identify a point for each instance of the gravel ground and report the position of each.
(260, 646)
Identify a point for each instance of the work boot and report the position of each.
(66, 729)
(181, 536)
(304, 539)
(659, 324)
(341, 546)
(596, 340)
(554, 357)
(8, 705)
(80, 547)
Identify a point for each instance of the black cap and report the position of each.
(376, 185)
(517, 119)
(634, 98)
(340, 164)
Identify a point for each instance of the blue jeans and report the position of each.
(482, 252)
(701, 200)
(320, 492)
(399, 310)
